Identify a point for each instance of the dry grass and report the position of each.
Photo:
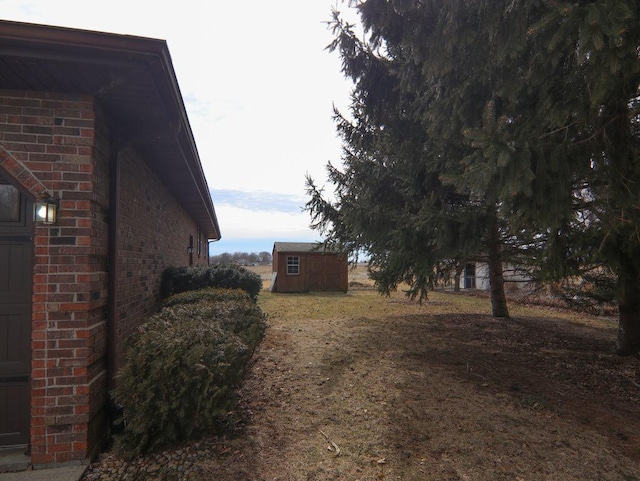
(360, 387)
(439, 391)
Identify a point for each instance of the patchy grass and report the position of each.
(361, 387)
(439, 391)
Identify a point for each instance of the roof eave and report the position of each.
(34, 41)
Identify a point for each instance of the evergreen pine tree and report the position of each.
(479, 127)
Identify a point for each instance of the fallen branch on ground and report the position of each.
(333, 446)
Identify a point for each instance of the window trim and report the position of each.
(293, 265)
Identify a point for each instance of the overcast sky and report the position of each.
(259, 89)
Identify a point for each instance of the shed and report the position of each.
(92, 127)
(307, 266)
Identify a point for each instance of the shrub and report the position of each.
(181, 370)
(181, 279)
(233, 309)
(209, 295)
(594, 294)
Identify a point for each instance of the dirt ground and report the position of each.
(360, 387)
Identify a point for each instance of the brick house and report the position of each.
(94, 124)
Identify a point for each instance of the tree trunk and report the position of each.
(496, 280)
(456, 277)
(622, 244)
(629, 312)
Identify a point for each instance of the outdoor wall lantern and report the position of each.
(46, 211)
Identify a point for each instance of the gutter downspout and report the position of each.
(113, 217)
(209, 242)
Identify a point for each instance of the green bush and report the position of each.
(183, 366)
(209, 294)
(181, 279)
(232, 308)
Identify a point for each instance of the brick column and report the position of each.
(51, 139)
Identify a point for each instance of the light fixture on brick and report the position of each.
(46, 211)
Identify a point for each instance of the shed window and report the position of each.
(293, 265)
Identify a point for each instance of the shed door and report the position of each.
(321, 274)
(16, 251)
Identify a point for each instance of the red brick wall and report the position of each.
(61, 143)
(153, 233)
(50, 138)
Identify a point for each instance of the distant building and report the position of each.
(307, 266)
(475, 275)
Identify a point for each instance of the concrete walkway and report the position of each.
(16, 466)
(66, 473)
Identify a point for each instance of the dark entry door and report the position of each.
(16, 254)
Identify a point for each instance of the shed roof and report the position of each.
(317, 247)
(133, 80)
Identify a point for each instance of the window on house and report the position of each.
(9, 203)
(470, 276)
(293, 265)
